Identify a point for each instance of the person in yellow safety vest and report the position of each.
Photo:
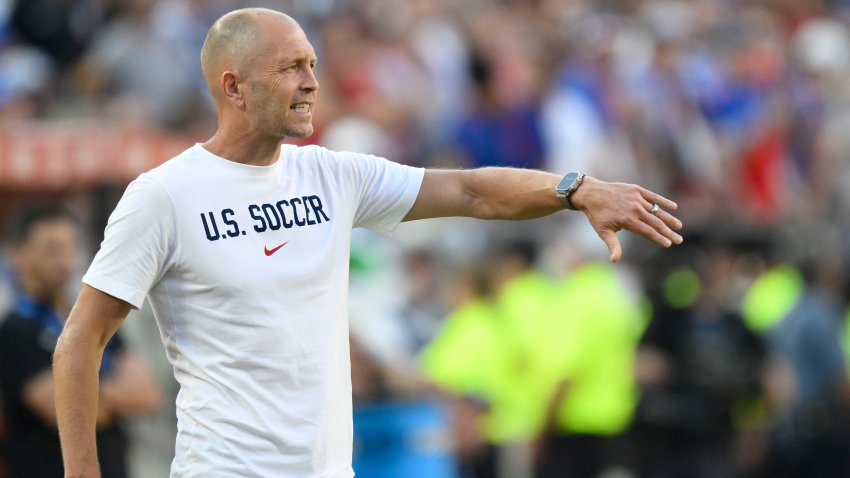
(588, 351)
(524, 299)
(464, 360)
(485, 349)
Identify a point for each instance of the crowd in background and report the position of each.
(725, 354)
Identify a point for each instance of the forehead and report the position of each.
(286, 41)
(52, 229)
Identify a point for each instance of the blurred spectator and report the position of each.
(61, 28)
(437, 39)
(4, 447)
(525, 297)
(46, 250)
(501, 126)
(500, 130)
(588, 352)
(26, 80)
(424, 310)
(467, 361)
(145, 73)
(583, 118)
(809, 382)
(699, 368)
(845, 338)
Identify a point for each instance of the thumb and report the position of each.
(609, 237)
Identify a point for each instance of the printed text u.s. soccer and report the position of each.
(287, 213)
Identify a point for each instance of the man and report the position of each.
(45, 255)
(241, 245)
(486, 354)
(586, 358)
(808, 388)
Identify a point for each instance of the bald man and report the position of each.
(241, 246)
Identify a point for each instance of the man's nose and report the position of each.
(309, 82)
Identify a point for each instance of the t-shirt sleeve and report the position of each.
(138, 243)
(384, 191)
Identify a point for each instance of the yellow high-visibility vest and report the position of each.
(591, 343)
(772, 297)
(486, 349)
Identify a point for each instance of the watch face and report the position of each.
(568, 182)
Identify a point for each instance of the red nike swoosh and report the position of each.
(272, 251)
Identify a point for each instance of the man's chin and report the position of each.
(300, 133)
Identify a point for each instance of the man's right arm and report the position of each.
(76, 362)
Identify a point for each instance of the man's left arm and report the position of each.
(503, 193)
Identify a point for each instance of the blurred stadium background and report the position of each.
(497, 349)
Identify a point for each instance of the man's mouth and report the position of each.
(301, 107)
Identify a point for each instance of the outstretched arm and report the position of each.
(503, 193)
(76, 361)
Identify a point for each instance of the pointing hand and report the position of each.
(611, 207)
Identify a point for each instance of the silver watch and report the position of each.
(567, 186)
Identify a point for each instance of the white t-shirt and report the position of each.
(246, 268)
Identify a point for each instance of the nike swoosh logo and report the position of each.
(272, 251)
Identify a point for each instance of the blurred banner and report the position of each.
(59, 155)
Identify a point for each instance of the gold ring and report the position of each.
(654, 209)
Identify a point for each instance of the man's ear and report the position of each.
(231, 88)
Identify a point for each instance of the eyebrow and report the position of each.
(298, 59)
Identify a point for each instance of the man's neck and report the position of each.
(250, 149)
(50, 298)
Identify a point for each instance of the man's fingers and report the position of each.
(609, 237)
(658, 223)
(647, 231)
(632, 212)
(655, 198)
(668, 221)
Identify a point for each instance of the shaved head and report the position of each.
(232, 41)
(258, 64)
